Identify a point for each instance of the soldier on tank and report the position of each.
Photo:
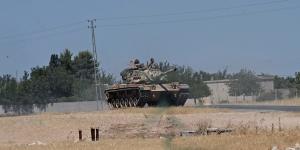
(152, 64)
(135, 64)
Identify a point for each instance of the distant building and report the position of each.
(220, 89)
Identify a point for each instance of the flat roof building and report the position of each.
(220, 89)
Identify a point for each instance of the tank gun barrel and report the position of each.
(169, 71)
(163, 74)
(158, 77)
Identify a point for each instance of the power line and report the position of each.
(46, 36)
(3, 37)
(41, 31)
(202, 18)
(32, 33)
(170, 21)
(195, 11)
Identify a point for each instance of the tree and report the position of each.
(284, 83)
(199, 89)
(297, 80)
(40, 87)
(187, 75)
(244, 83)
(60, 82)
(8, 92)
(25, 98)
(106, 78)
(54, 61)
(83, 65)
(14, 96)
(60, 74)
(66, 60)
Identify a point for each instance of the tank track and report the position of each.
(123, 98)
(121, 103)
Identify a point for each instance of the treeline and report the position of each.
(195, 79)
(242, 83)
(71, 78)
(65, 78)
(287, 82)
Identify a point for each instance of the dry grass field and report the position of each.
(150, 128)
(214, 142)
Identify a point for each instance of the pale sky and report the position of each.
(209, 35)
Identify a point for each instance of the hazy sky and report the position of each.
(261, 35)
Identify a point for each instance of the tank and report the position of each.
(146, 84)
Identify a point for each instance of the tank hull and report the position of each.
(138, 95)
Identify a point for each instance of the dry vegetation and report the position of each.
(168, 111)
(282, 102)
(216, 142)
(237, 141)
(151, 128)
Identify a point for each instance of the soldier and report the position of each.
(152, 64)
(134, 64)
(139, 65)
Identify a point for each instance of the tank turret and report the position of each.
(138, 73)
(156, 76)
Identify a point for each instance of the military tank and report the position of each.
(146, 84)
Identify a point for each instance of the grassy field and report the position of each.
(150, 128)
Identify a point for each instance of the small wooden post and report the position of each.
(93, 134)
(80, 135)
(256, 129)
(272, 127)
(279, 124)
(97, 134)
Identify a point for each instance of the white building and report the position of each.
(220, 89)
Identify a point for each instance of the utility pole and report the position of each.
(92, 26)
(276, 98)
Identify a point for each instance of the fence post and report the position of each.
(256, 129)
(80, 135)
(97, 134)
(279, 124)
(93, 134)
(276, 94)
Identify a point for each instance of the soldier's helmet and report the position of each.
(136, 61)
